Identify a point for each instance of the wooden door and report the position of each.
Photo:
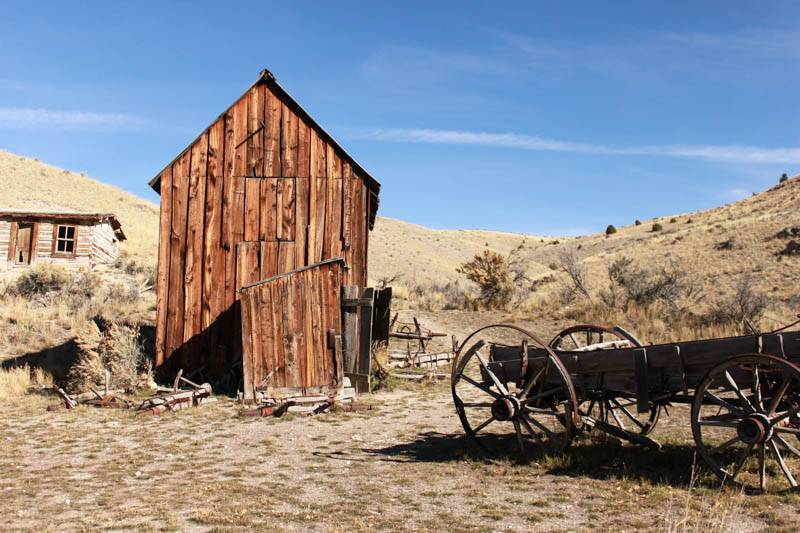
(23, 244)
(290, 327)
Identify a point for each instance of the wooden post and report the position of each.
(365, 341)
(349, 330)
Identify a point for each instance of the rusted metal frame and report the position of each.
(295, 271)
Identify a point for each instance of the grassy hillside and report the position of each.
(29, 184)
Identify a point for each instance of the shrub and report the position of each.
(577, 283)
(490, 272)
(744, 308)
(638, 222)
(657, 227)
(41, 279)
(610, 229)
(116, 348)
(631, 284)
(673, 220)
(784, 177)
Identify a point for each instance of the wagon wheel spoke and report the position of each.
(725, 444)
(529, 385)
(575, 341)
(518, 430)
(738, 412)
(785, 415)
(482, 387)
(496, 380)
(628, 413)
(539, 425)
(773, 404)
(756, 390)
(484, 424)
(615, 415)
(786, 445)
(527, 425)
(779, 458)
(739, 393)
(741, 461)
(541, 395)
(476, 404)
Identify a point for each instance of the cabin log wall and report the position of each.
(262, 173)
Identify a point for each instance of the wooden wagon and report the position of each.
(744, 393)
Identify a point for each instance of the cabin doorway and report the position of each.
(22, 253)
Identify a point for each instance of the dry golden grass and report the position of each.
(15, 382)
(62, 190)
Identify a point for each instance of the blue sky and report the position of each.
(532, 117)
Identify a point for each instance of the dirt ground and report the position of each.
(404, 465)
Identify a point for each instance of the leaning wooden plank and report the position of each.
(365, 335)
(248, 317)
(308, 329)
(350, 329)
(164, 241)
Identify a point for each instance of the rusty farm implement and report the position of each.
(509, 386)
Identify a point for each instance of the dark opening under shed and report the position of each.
(261, 192)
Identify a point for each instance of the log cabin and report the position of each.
(263, 192)
(67, 239)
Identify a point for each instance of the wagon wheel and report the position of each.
(743, 413)
(603, 405)
(538, 407)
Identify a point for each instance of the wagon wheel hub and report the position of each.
(754, 429)
(505, 408)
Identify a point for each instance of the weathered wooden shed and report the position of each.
(27, 238)
(263, 191)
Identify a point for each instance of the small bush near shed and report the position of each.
(610, 229)
(657, 227)
(40, 279)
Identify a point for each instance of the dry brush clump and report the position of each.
(115, 348)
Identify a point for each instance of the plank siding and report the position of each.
(263, 174)
(283, 332)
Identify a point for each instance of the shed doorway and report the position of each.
(22, 252)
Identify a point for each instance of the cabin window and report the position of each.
(65, 240)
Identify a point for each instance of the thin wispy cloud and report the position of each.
(722, 153)
(26, 118)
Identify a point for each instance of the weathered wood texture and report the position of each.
(284, 329)
(670, 367)
(264, 172)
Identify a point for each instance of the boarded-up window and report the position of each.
(65, 240)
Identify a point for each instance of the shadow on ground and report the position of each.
(673, 464)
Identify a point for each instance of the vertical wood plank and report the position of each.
(301, 224)
(286, 256)
(289, 142)
(347, 203)
(318, 326)
(239, 137)
(321, 193)
(272, 135)
(175, 309)
(252, 213)
(193, 267)
(303, 150)
(213, 254)
(298, 292)
(276, 312)
(286, 209)
(365, 335)
(269, 259)
(308, 330)
(289, 352)
(350, 330)
(255, 131)
(247, 346)
(162, 285)
(269, 209)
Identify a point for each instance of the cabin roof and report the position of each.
(66, 216)
(267, 77)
